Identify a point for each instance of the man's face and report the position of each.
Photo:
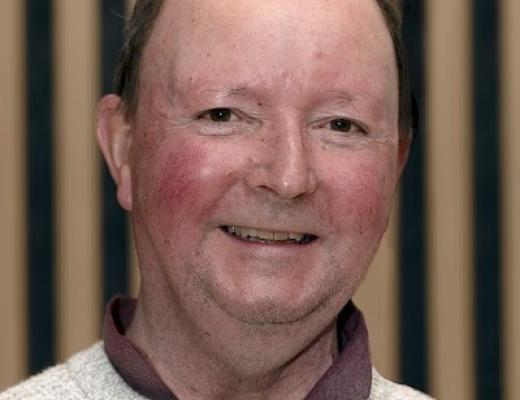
(271, 119)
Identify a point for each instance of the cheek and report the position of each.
(178, 183)
(364, 198)
(179, 180)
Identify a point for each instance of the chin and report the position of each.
(272, 308)
(269, 312)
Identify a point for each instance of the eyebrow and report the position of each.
(227, 92)
(343, 96)
(243, 91)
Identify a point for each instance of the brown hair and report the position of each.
(136, 34)
(392, 11)
(145, 12)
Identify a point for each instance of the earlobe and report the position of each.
(114, 139)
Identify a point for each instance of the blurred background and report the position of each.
(441, 298)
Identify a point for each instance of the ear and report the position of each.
(114, 139)
(405, 142)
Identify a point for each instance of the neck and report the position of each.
(233, 360)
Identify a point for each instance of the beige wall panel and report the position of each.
(12, 197)
(77, 175)
(510, 34)
(378, 298)
(449, 198)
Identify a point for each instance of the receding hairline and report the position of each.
(146, 12)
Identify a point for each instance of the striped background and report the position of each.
(440, 298)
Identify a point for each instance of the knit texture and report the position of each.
(383, 389)
(89, 375)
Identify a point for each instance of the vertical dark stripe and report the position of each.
(40, 229)
(487, 200)
(115, 250)
(413, 329)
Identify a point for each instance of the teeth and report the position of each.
(296, 236)
(280, 236)
(257, 234)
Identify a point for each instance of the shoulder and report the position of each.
(86, 375)
(382, 388)
(53, 383)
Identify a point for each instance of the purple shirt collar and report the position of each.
(349, 377)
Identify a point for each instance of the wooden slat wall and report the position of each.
(450, 358)
(510, 50)
(378, 298)
(134, 269)
(76, 61)
(449, 198)
(12, 195)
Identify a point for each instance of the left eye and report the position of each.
(219, 115)
(341, 125)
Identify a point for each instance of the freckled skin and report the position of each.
(222, 317)
(180, 169)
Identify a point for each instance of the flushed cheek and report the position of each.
(361, 201)
(180, 184)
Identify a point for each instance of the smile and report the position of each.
(268, 237)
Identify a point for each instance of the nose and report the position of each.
(284, 164)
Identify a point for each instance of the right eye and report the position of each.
(218, 115)
(341, 125)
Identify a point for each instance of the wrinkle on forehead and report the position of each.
(299, 26)
(275, 46)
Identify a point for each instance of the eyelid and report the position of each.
(237, 116)
(204, 115)
(359, 126)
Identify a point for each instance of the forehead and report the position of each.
(247, 42)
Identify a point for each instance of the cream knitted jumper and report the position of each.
(89, 375)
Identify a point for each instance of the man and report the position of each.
(257, 146)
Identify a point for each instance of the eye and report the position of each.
(344, 125)
(341, 125)
(219, 115)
